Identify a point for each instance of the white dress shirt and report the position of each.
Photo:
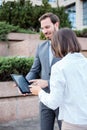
(50, 53)
(68, 84)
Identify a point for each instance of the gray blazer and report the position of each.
(41, 67)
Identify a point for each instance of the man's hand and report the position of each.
(15, 85)
(40, 82)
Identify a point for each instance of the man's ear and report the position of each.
(57, 24)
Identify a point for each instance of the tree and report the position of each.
(25, 15)
(63, 16)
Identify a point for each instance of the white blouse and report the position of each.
(68, 84)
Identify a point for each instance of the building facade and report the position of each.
(77, 10)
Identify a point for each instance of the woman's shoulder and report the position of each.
(61, 64)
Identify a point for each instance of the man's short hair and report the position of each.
(54, 18)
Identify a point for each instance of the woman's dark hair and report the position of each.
(65, 41)
(54, 18)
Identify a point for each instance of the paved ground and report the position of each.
(27, 124)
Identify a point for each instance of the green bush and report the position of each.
(17, 65)
(5, 28)
(81, 33)
(26, 15)
(84, 32)
(42, 36)
(63, 16)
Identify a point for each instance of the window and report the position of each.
(72, 15)
(85, 12)
(0, 2)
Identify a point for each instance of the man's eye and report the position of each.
(47, 27)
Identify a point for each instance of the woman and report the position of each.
(68, 82)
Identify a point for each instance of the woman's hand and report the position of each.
(35, 89)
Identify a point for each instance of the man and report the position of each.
(42, 67)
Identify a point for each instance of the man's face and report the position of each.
(48, 28)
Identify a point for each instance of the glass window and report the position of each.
(85, 12)
(72, 15)
(0, 2)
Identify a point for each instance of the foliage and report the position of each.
(17, 65)
(60, 12)
(42, 37)
(78, 32)
(84, 32)
(81, 33)
(17, 13)
(28, 31)
(6, 28)
(25, 15)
